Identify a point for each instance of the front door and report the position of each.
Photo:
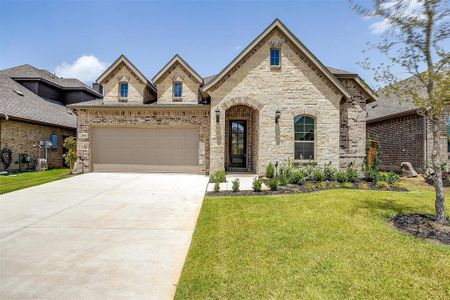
(238, 144)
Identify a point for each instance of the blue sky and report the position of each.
(208, 34)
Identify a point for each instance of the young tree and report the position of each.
(414, 33)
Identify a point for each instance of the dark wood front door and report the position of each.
(238, 144)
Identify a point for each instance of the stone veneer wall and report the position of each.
(88, 118)
(401, 140)
(177, 72)
(295, 89)
(353, 126)
(137, 89)
(22, 138)
(241, 112)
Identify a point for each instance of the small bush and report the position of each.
(282, 180)
(363, 186)
(392, 178)
(341, 176)
(273, 184)
(309, 186)
(317, 174)
(235, 185)
(346, 185)
(371, 175)
(257, 184)
(286, 169)
(297, 177)
(352, 175)
(322, 185)
(381, 176)
(333, 185)
(382, 185)
(218, 176)
(216, 187)
(270, 171)
(329, 172)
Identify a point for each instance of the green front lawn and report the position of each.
(335, 244)
(27, 179)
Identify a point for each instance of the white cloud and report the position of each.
(86, 68)
(411, 8)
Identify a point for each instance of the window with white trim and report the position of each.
(304, 136)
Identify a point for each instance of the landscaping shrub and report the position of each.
(309, 186)
(317, 174)
(257, 184)
(322, 185)
(333, 185)
(382, 185)
(70, 157)
(346, 185)
(273, 184)
(381, 176)
(363, 186)
(341, 176)
(392, 177)
(270, 170)
(329, 172)
(371, 168)
(286, 169)
(352, 175)
(399, 186)
(235, 185)
(297, 177)
(282, 180)
(218, 176)
(216, 187)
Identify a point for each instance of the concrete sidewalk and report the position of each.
(98, 236)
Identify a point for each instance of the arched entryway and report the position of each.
(241, 139)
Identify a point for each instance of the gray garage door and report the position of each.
(145, 149)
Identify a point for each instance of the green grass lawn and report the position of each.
(27, 179)
(335, 244)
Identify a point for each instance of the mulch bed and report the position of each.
(423, 226)
(298, 189)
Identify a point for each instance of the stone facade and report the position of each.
(294, 89)
(23, 138)
(142, 117)
(138, 91)
(177, 73)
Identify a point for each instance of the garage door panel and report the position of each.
(145, 149)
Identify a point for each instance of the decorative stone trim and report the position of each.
(172, 68)
(113, 73)
(246, 101)
(310, 111)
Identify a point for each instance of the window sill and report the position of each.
(177, 99)
(121, 99)
(275, 68)
(303, 161)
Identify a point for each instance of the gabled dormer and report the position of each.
(123, 82)
(178, 82)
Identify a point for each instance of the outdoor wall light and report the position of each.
(277, 115)
(217, 114)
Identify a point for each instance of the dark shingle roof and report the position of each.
(19, 102)
(390, 104)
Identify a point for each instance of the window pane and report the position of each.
(124, 90)
(274, 57)
(304, 150)
(177, 89)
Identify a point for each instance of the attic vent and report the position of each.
(18, 92)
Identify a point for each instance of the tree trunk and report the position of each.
(436, 161)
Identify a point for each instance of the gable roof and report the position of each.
(279, 25)
(181, 61)
(29, 72)
(18, 102)
(123, 59)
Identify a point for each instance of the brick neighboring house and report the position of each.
(404, 135)
(33, 109)
(275, 101)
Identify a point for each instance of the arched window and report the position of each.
(304, 128)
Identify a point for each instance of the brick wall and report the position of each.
(22, 138)
(401, 140)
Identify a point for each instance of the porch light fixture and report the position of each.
(277, 115)
(217, 114)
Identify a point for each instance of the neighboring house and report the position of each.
(33, 109)
(404, 135)
(275, 101)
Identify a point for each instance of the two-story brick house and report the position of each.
(275, 101)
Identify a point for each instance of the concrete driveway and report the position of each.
(98, 236)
